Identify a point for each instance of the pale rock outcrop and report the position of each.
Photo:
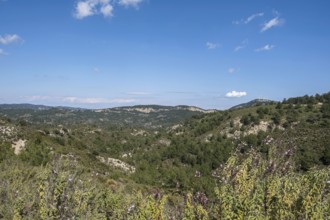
(19, 146)
(117, 164)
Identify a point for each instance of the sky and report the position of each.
(212, 53)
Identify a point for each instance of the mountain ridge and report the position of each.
(254, 102)
(147, 116)
(46, 107)
(284, 143)
(156, 107)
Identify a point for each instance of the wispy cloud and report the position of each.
(276, 13)
(138, 93)
(277, 21)
(243, 44)
(237, 22)
(232, 70)
(211, 46)
(3, 52)
(182, 92)
(38, 98)
(93, 7)
(96, 70)
(130, 3)
(252, 17)
(249, 19)
(235, 94)
(86, 8)
(78, 100)
(10, 38)
(267, 47)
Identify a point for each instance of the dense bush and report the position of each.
(249, 187)
(213, 166)
(6, 151)
(36, 155)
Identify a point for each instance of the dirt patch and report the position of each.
(262, 126)
(19, 146)
(117, 164)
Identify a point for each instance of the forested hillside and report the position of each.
(268, 160)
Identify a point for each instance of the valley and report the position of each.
(166, 162)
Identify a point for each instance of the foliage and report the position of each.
(259, 162)
(258, 189)
(6, 151)
(36, 155)
(250, 187)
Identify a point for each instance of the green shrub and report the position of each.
(6, 151)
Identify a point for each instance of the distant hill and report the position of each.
(34, 107)
(148, 116)
(163, 156)
(156, 108)
(255, 102)
(24, 106)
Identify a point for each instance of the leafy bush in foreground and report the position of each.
(250, 187)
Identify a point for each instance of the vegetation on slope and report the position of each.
(250, 186)
(268, 162)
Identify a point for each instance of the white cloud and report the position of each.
(250, 18)
(106, 10)
(211, 46)
(243, 44)
(272, 23)
(235, 94)
(2, 52)
(83, 9)
(130, 3)
(267, 47)
(93, 7)
(9, 38)
(86, 8)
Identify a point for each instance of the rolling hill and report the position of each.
(171, 158)
(148, 116)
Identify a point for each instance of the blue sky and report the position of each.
(210, 53)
